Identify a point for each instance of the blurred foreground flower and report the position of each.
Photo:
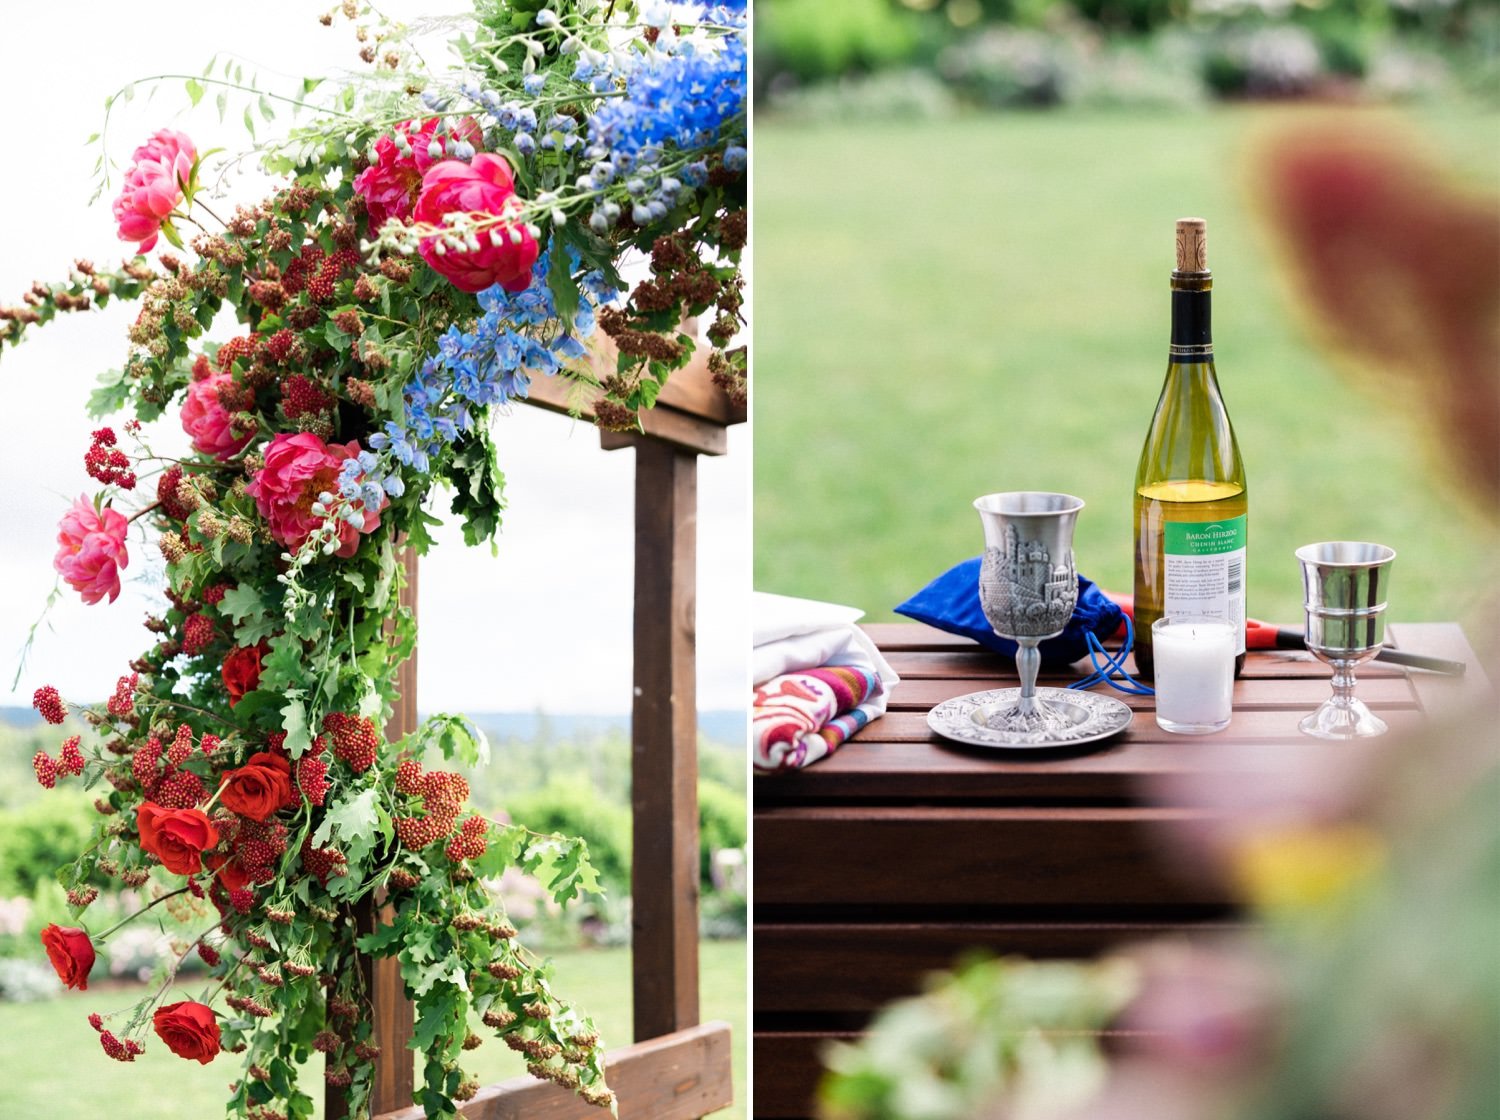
(999, 1038)
(1398, 268)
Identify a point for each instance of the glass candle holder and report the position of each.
(1194, 673)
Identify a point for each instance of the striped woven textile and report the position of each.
(804, 716)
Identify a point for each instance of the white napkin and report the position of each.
(793, 634)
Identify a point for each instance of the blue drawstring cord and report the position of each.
(1114, 663)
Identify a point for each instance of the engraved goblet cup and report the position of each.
(1028, 588)
(1345, 585)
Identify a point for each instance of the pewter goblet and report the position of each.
(1345, 585)
(1028, 588)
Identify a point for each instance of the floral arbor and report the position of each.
(440, 244)
(678, 1069)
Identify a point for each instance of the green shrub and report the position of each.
(819, 40)
(721, 822)
(571, 805)
(41, 837)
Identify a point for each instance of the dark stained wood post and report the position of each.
(392, 1014)
(664, 742)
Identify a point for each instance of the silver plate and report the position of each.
(1090, 715)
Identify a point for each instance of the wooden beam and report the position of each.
(690, 432)
(392, 1014)
(681, 1076)
(664, 744)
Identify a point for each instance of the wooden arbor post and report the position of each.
(677, 1069)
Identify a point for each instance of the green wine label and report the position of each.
(1204, 568)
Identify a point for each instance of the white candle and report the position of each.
(1194, 673)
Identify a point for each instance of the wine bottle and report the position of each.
(1190, 497)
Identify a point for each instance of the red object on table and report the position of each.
(1258, 635)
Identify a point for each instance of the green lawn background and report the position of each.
(54, 1066)
(944, 309)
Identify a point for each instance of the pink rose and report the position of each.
(299, 468)
(483, 187)
(390, 185)
(153, 186)
(205, 418)
(91, 550)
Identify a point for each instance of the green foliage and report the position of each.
(37, 840)
(818, 40)
(722, 821)
(572, 805)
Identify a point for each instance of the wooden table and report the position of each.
(888, 859)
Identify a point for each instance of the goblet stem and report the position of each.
(1028, 661)
(1343, 684)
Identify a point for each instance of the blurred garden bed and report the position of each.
(864, 58)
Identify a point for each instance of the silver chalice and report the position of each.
(1345, 585)
(1028, 588)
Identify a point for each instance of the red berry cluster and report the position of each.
(257, 846)
(294, 279)
(182, 745)
(69, 763)
(237, 349)
(354, 739)
(82, 896)
(300, 397)
(214, 593)
(120, 1051)
(471, 841)
(122, 703)
(106, 462)
(312, 772)
(243, 901)
(281, 346)
(409, 777)
(209, 743)
(325, 863)
(197, 634)
(276, 742)
(143, 765)
(182, 789)
(49, 703)
(209, 954)
(166, 494)
(320, 287)
(443, 794)
(201, 368)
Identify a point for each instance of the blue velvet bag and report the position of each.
(951, 603)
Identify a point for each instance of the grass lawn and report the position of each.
(944, 309)
(53, 1064)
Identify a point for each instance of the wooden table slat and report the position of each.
(859, 967)
(1304, 693)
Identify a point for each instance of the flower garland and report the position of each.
(438, 240)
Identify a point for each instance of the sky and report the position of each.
(546, 625)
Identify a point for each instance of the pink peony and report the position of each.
(391, 184)
(153, 186)
(91, 550)
(205, 418)
(299, 468)
(483, 187)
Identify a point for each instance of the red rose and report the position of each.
(231, 876)
(71, 953)
(190, 1030)
(258, 788)
(506, 249)
(241, 670)
(177, 837)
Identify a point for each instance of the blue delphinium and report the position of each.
(490, 364)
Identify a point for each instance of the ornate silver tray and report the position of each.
(1089, 715)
